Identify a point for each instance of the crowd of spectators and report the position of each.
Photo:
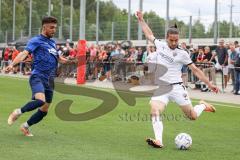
(9, 53)
(114, 62)
(224, 58)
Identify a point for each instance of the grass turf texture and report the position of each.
(117, 135)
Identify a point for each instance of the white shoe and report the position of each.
(209, 107)
(13, 117)
(25, 130)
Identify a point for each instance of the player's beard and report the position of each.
(173, 47)
(50, 35)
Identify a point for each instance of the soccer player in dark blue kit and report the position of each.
(45, 62)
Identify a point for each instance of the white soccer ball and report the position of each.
(183, 141)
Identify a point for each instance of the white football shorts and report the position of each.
(178, 94)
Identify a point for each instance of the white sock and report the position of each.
(199, 108)
(26, 125)
(157, 128)
(18, 111)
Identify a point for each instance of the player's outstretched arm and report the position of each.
(20, 57)
(196, 71)
(146, 30)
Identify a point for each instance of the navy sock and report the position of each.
(32, 105)
(36, 117)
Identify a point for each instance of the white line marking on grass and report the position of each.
(219, 104)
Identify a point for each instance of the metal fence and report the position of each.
(116, 31)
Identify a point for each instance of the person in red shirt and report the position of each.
(6, 57)
(201, 55)
(72, 57)
(15, 52)
(73, 53)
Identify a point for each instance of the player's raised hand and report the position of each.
(214, 88)
(8, 68)
(139, 15)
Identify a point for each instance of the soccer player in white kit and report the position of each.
(173, 58)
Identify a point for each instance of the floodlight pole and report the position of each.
(14, 18)
(139, 26)
(71, 20)
(231, 25)
(167, 19)
(129, 21)
(97, 22)
(82, 19)
(216, 22)
(190, 30)
(61, 21)
(30, 19)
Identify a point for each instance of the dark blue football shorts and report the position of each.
(42, 85)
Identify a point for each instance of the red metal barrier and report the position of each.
(81, 68)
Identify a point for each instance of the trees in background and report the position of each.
(109, 13)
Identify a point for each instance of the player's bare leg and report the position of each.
(194, 112)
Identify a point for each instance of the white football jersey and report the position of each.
(172, 59)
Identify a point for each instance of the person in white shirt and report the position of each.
(172, 58)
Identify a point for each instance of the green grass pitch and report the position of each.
(118, 135)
